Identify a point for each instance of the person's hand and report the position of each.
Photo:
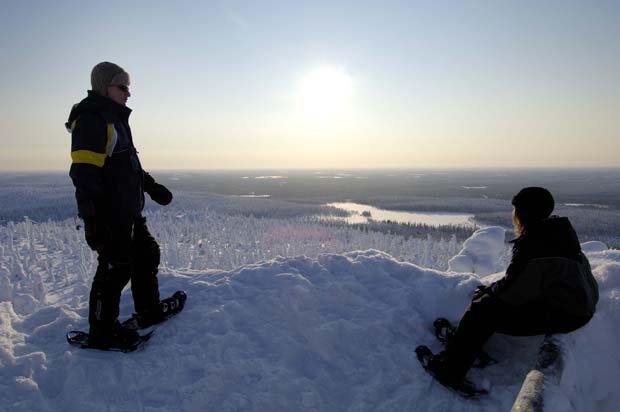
(159, 193)
(93, 234)
(480, 290)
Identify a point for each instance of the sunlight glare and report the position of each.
(325, 92)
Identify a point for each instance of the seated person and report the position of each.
(548, 288)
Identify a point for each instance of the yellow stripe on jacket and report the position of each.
(94, 158)
(89, 157)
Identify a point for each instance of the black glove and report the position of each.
(480, 291)
(159, 193)
(94, 234)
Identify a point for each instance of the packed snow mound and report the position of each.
(328, 334)
(296, 334)
(481, 253)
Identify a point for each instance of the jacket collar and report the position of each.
(551, 221)
(110, 106)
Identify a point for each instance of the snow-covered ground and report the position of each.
(322, 332)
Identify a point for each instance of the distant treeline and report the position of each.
(410, 230)
(19, 206)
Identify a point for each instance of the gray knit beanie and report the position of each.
(106, 74)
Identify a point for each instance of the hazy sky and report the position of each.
(321, 84)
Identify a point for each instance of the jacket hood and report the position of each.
(98, 104)
(554, 230)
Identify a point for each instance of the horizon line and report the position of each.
(320, 169)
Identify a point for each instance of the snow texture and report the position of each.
(331, 333)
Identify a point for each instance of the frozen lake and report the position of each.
(361, 213)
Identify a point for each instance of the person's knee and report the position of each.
(484, 309)
(154, 256)
(147, 252)
(149, 258)
(112, 274)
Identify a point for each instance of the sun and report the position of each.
(325, 92)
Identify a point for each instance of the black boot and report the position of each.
(437, 366)
(115, 337)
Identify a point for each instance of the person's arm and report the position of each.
(517, 265)
(158, 192)
(89, 141)
(89, 144)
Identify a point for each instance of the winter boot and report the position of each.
(115, 337)
(436, 366)
(444, 331)
(167, 308)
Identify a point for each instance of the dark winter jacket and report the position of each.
(548, 268)
(106, 172)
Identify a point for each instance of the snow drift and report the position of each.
(334, 333)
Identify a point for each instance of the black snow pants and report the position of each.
(488, 315)
(130, 253)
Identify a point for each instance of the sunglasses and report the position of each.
(122, 88)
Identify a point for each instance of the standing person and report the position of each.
(548, 288)
(109, 188)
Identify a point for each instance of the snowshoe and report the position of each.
(167, 308)
(126, 344)
(432, 364)
(444, 331)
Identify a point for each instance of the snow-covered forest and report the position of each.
(54, 252)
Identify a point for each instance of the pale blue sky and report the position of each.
(218, 84)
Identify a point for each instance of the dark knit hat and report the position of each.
(533, 204)
(106, 74)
